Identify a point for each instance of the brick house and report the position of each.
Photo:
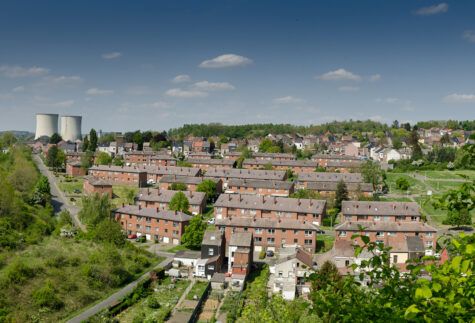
(164, 226)
(232, 155)
(324, 159)
(155, 173)
(74, 169)
(304, 179)
(240, 258)
(205, 163)
(191, 182)
(155, 198)
(271, 207)
(200, 155)
(72, 157)
(344, 166)
(386, 222)
(148, 158)
(297, 166)
(272, 234)
(260, 187)
(273, 156)
(212, 254)
(226, 174)
(92, 185)
(130, 175)
(328, 189)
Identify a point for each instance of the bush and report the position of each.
(262, 254)
(46, 297)
(402, 184)
(18, 272)
(152, 302)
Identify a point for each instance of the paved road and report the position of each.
(58, 199)
(116, 297)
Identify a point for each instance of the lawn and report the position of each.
(324, 242)
(122, 194)
(446, 174)
(73, 273)
(416, 186)
(197, 290)
(395, 199)
(436, 216)
(177, 248)
(157, 306)
(69, 185)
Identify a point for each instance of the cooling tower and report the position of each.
(46, 124)
(71, 128)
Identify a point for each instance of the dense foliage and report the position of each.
(179, 202)
(194, 232)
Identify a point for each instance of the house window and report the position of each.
(308, 233)
(147, 228)
(377, 218)
(138, 226)
(342, 234)
(429, 234)
(258, 231)
(379, 234)
(391, 234)
(210, 252)
(270, 240)
(270, 231)
(362, 217)
(280, 274)
(175, 224)
(257, 239)
(296, 240)
(347, 262)
(348, 217)
(211, 267)
(394, 259)
(245, 229)
(400, 218)
(149, 220)
(413, 218)
(428, 243)
(308, 241)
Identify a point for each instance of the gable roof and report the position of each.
(165, 196)
(255, 183)
(152, 213)
(241, 239)
(246, 173)
(330, 177)
(380, 208)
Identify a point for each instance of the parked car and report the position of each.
(141, 239)
(77, 191)
(132, 236)
(270, 253)
(211, 221)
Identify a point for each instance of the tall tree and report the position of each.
(104, 158)
(55, 138)
(372, 173)
(341, 194)
(85, 143)
(179, 202)
(416, 147)
(92, 140)
(209, 187)
(458, 203)
(194, 232)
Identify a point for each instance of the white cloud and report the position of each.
(65, 79)
(339, 75)
(288, 100)
(377, 118)
(63, 104)
(112, 55)
(460, 98)
(160, 105)
(186, 94)
(96, 91)
(182, 78)
(375, 77)
(19, 71)
(213, 86)
(20, 88)
(469, 35)
(348, 89)
(432, 10)
(388, 100)
(226, 60)
(138, 90)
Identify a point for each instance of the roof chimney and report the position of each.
(140, 207)
(176, 212)
(123, 205)
(158, 210)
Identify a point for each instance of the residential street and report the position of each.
(58, 199)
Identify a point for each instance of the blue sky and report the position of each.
(126, 65)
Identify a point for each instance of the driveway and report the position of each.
(58, 199)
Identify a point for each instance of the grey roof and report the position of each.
(113, 168)
(410, 244)
(171, 170)
(279, 185)
(265, 223)
(332, 186)
(331, 177)
(380, 208)
(97, 181)
(185, 179)
(241, 239)
(273, 155)
(165, 196)
(152, 213)
(209, 161)
(162, 157)
(140, 152)
(246, 173)
(285, 163)
(188, 254)
(384, 226)
(212, 238)
(218, 278)
(344, 163)
(273, 203)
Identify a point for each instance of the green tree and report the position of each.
(326, 276)
(305, 194)
(92, 140)
(55, 138)
(109, 231)
(41, 194)
(194, 232)
(458, 203)
(46, 296)
(87, 159)
(416, 147)
(209, 187)
(85, 144)
(402, 184)
(465, 157)
(95, 209)
(372, 173)
(178, 187)
(117, 161)
(341, 194)
(7, 139)
(138, 139)
(104, 158)
(267, 166)
(179, 202)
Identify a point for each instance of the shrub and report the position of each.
(262, 254)
(18, 272)
(46, 297)
(402, 184)
(152, 302)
